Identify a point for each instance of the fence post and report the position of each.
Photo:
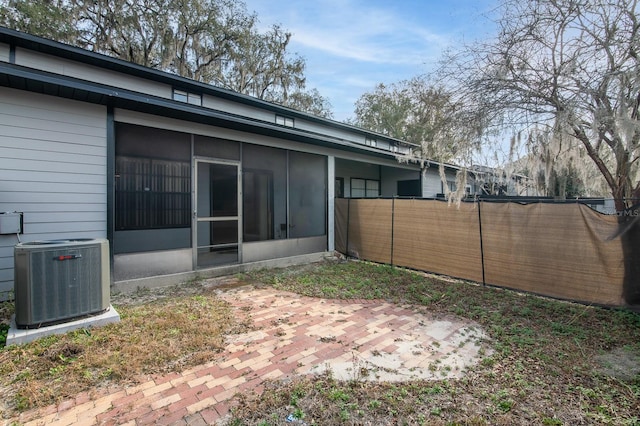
(393, 212)
(346, 249)
(481, 245)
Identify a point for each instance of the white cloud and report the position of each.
(352, 45)
(354, 30)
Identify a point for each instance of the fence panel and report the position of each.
(341, 206)
(431, 235)
(369, 230)
(567, 251)
(560, 250)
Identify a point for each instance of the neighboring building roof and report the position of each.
(20, 77)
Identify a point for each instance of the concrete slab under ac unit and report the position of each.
(17, 336)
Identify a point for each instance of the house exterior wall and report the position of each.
(431, 182)
(131, 263)
(82, 71)
(53, 159)
(91, 73)
(347, 169)
(390, 177)
(52, 168)
(229, 106)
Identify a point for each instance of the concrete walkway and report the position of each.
(355, 339)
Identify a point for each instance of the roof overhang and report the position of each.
(61, 50)
(23, 78)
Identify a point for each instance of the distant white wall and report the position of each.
(431, 182)
(52, 168)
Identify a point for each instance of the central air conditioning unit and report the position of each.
(56, 281)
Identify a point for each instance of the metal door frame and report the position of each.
(194, 201)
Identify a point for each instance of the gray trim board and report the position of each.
(111, 171)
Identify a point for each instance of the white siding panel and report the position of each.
(14, 174)
(6, 262)
(33, 134)
(78, 187)
(59, 217)
(66, 227)
(51, 198)
(52, 168)
(34, 207)
(49, 63)
(431, 182)
(4, 52)
(42, 113)
(22, 154)
(7, 250)
(49, 145)
(70, 130)
(55, 165)
(6, 275)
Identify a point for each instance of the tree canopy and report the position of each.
(212, 41)
(564, 72)
(563, 76)
(426, 114)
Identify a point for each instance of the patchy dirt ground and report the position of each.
(620, 363)
(553, 362)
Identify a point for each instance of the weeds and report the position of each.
(57, 367)
(552, 363)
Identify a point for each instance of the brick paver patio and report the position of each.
(292, 335)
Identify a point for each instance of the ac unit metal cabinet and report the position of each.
(58, 280)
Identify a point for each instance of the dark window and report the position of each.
(285, 121)
(409, 188)
(365, 188)
(206, 146)
(264, 193)
(276, 181)
(187, 97)
(258, 206)
(152, 193)
(307, 194)
(339, 188)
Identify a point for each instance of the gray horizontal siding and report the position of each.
(37, 155)
(50, 145)
(431, 183)
(52, 168)
(61, 207)
(13, 172)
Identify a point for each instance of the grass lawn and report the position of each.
(552, 363)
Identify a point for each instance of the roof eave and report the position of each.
(23, 78)
(28, 41)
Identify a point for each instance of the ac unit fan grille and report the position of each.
(65, 288)
(59, 280)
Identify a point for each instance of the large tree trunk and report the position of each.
(629, 223)
(628, 211)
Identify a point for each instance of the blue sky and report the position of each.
(352, 45)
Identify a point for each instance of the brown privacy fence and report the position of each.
(567, 251)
